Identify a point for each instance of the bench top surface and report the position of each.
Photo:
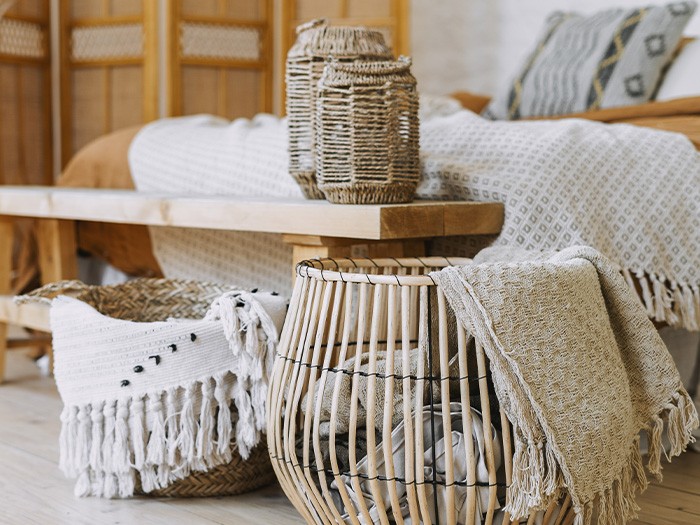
(419, 219)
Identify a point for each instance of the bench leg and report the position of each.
(57, 255)
(311, 247)
(57, 250)
(6, 247)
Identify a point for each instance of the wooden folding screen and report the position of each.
(25, 97)
(119, 57)
(222, 60)
(109, 67)
(391, 17)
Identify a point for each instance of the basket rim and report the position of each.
(328, 269)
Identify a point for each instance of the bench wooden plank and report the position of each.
(421, 219)
(35, 316)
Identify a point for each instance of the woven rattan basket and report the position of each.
(367, 133)
(316, 42)
(381, 408)
(161, 351)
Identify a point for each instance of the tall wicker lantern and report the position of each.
(316, 41)
(367, 133)
(381, 408)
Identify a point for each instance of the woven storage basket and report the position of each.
(381, 408)
(367, 133)
(316, 41)
(188, 418)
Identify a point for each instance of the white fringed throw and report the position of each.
(156, 400)
(579, 370)
(632, 193)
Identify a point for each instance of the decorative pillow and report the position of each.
(683, 77)
(608, 59)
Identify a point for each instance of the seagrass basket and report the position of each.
(149, 384)
(367, 133)
(316, 42)
(381, 408)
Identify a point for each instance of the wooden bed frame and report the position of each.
(313, 228)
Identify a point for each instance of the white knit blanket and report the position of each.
(209, 155)
(149, 403)
(632, 193)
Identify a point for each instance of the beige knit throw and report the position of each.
(579, 370)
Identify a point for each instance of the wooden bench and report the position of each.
(313, 228)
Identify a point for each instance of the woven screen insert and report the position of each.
(22, 39)
(218, 41)
(106, 42)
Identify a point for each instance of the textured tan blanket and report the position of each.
(579, 370)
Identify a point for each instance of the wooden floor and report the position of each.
(33, 491)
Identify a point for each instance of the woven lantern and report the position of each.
(316, 41)
(367, 133)
(381, 408)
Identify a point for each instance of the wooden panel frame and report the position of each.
(43, 64)
(147, 61)
(398, 20)
(176, 60)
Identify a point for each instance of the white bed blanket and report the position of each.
(209, 155)
(632, 193)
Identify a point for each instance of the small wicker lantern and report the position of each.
(381, 409)
(316, 41)
(367, 133)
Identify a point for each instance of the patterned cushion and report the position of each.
(608, 59)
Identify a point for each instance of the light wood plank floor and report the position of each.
(35, 492)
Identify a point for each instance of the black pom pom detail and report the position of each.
(173, 347)
(193, 337)
(138, 369)
(125, 382)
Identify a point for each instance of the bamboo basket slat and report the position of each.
(381, 408)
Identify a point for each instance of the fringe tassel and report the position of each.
(223, 424)
(674, 303)
(69, 432)
(155, 454)
(137, 422)
(97, 417)
(161, 438)
(246, 436)
(188, 428)
(205, 453)
(171, 425)
(681, 419)
(537, 478)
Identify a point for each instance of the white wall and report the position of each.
(477, 44)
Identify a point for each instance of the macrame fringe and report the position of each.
(666, 301)
(160, 437)
(537, 480)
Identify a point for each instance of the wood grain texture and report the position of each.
(6, 246)
(34, 316)
(319, 218)
(29, 456)
(57, 248)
